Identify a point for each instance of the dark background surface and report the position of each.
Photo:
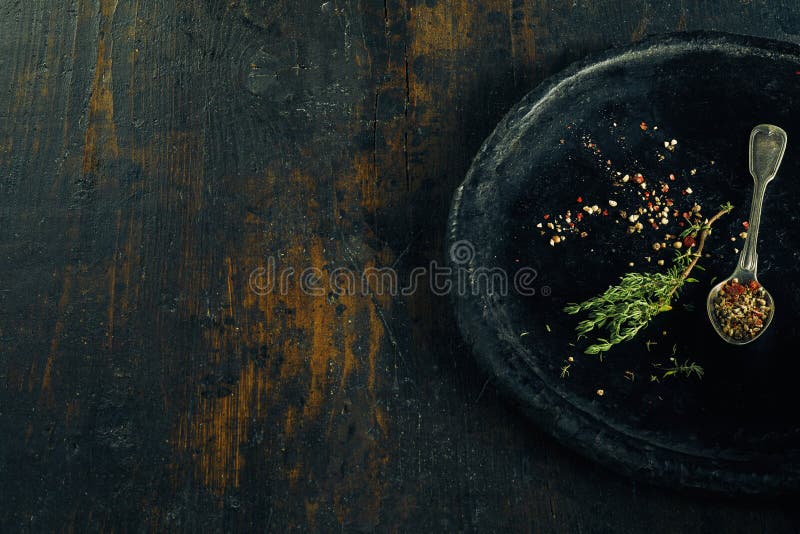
(152, 154)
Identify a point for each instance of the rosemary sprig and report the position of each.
(625, 309)
(686, 368)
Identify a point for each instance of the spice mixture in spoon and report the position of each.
(742, 309)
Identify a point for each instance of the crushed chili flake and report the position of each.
(580, 199)
(746, 225)
(643, 126)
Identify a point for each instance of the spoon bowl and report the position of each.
(717, 321)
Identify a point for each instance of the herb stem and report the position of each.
(701, 241)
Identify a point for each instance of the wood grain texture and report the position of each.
(153, 154)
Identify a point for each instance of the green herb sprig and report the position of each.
(623, 310)
(687, 368)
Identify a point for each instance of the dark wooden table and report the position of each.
(154, 155)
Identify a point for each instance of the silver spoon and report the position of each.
(767, 146)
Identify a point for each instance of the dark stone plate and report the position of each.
(735, 431)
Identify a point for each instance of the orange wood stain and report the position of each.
(101, 103)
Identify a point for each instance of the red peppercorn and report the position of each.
(746, 225)
(605, 212)
(546, 216)
(580, 199)
(689, 241)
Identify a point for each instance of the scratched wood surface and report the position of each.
(154, 154)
